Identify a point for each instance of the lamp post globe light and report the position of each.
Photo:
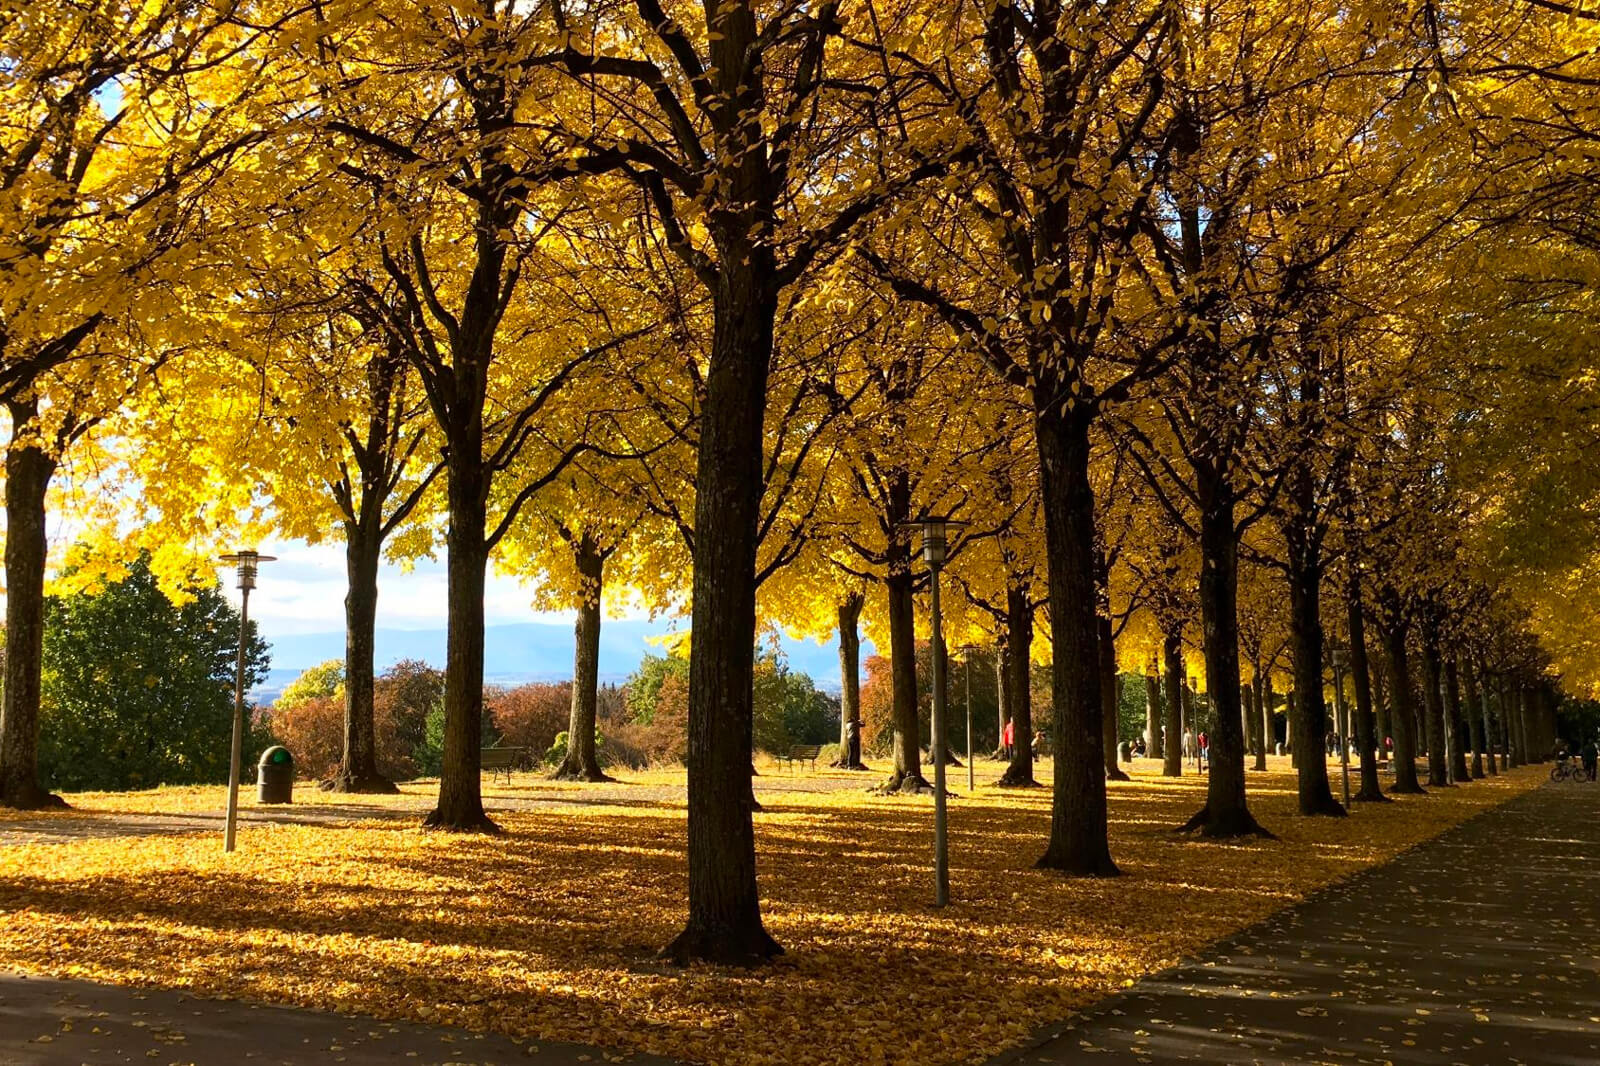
(1341, 713)
(246, 562)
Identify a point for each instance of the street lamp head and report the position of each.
(935, 539)
(1341, 656)
(247, 562)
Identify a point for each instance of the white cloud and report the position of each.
(303, 592)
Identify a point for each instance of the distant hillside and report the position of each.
(529, 651)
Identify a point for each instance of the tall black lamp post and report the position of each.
(246, 562)
(1341, 659)
(934, 546)
(966, 657)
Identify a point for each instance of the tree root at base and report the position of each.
(726, 947)
(36, 799)
(480, 823)
(1231, 826)
(359, 784)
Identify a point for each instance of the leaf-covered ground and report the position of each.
(550, 931)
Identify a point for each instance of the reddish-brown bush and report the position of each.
(530, 716)
(313, 731)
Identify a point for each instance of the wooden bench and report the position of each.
(802, 753)
(502, 761)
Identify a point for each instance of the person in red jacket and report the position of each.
(1007, 736)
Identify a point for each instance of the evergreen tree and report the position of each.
(137, 689)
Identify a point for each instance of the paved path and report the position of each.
(68, 1023)
(1480, 947)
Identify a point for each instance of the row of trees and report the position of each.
(1197, 315)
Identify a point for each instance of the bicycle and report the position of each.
(1569, 770)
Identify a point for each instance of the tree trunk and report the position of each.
(1188, 708)
(1433, 704)
(1477, 718)
(1401, 715)
(1459, 739)
(1527, 732)
(1314, 793)
(28, 472)
(1110, 699)
(724, 922)
(1250, 700)
(1019, 688)
(1152, 715)
(849, 614)
(1078, 837)
(582, 762)
(358, 766)
(1172, 664)
(1380, 707)
(460, 805)
(1491, 734)
(1264, 711)
(1505, 735)
(1290, 741)
(1371, 789)
(1226, 813)
(906, 731)
(1513, 714)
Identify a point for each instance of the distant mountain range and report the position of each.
(525, 652)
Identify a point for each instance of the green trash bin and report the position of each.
(275, 776)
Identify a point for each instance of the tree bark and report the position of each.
(1264, 711)
(1477, 719)
(1380, 706)
(724, 923)
(1226, 813)
(1459, 739)
(849, 614)
(1506, 735)
(1527, 733)
(1152, 715)
(1371, 789)
(1110, 699)
(1018, 687)
(460, 806)
(29, 469)
(1079, 843)
(357, 771)
(1172, 665)
(1314, 793)
(1188, 704)
(1290, 741)
(1401, 715)
(905, 729)
(1250, 718)
(582, 762)
(1510, 702)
